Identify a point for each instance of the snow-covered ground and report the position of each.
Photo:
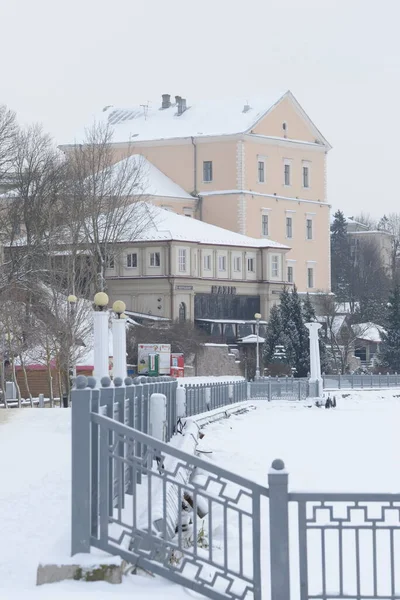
(351, 448)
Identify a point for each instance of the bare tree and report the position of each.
(8, 134)
(365, 218)
(107, 198)
(341, 335)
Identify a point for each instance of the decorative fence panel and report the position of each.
(189, 520)
(361, 381)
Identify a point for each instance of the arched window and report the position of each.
(182, 312)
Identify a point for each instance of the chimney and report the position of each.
(181, 105)
(166, 101)
(246, 108)
(178, 100)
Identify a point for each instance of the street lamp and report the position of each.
(101, 301)
(72, 300)
(100, 335)
(119, 340)
(257, 317)
(119, 308)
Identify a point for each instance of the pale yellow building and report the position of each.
(256, 168)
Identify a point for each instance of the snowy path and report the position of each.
(351, 448)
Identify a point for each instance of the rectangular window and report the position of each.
(155, 259)
(309, 232)
(264, 224)
(110, 262)
(287, 174)
(289, 227)
(182, 260)
(207, 262)
(131, 260)
(290, 274)
(222, 263)
(310, 277)
(306, 176)
(195, 262)
(207, 170)
(237, 263)
(261, 171)
(275, 266)
(250, 265)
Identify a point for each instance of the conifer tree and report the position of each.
(340, 258)
(273, 333)
(390, 348)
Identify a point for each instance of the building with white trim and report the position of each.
(258, 168)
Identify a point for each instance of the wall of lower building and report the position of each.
(214, 360)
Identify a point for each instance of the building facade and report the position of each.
(258, 169)
(185, 269)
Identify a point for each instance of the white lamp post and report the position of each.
(119, 340)
(315, 362)
(100, 336)
(257, 317)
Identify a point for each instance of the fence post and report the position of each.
(158, 416)
(279, 530)
(340, 382)
(81, 467)
(269, 390)
(41, 400)
(299, 390)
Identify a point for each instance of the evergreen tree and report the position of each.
(272, 334)
(340, 258)
(300, 339)
(390, 348)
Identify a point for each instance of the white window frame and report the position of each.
(210, 162)
(261, 161)
(110, 262)
(182, 260)
(306, 164)
(129, 259)
(207, 262)
(287, 163)
(289, 227)
(275, 266)
(153, 259)
(237, 264)
(222, 263)
(265, 220)
(291, 267)
(251, 264)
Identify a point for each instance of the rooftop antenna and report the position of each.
(145, 109)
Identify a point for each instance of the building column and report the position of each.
(119, 348)
(315, 362)
(100, 344)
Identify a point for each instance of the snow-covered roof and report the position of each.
(370, 332)
(164, 225)
(251, 339)
(149, 121)
(151, 181)
(335, 323)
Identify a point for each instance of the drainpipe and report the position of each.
(171, 283)
(199, 199)
(194, 166)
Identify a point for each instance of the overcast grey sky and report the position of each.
(63, 60)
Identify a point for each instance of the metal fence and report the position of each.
(360, 381)
(187, 519)
(282, 388)
(208, 396)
